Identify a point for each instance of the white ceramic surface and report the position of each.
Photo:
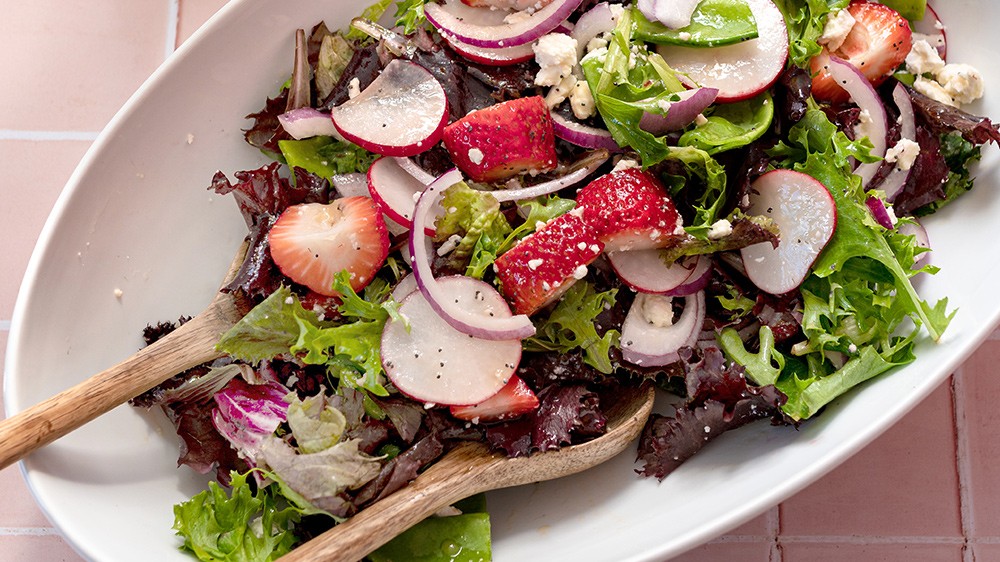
(137, 216)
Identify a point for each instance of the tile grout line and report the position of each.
(773, 521)
(962, 462)
(873, 539)
(28, 531)
(173, 22)
(13, 134)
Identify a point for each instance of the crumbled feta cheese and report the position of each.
(700, 119)
(518, 17)
(933, 90)
(893, 219)
(658, 310)
(596, 43)
(535, 263)
(582, 101)
(476, 156)
(555, 54)
(684, 36)
(580, 272)
(558, 93)
(962, 82)
(923, 59)
(624, 164)
(448, 245)
(903, 154)
(838, 26)
(354, 88)
(720, 229)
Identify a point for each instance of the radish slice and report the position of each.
(919, 234)
(396, 192)
(896, 179)
(932, 30)
(680, 113)
(501, 56)
(644, 271)
(405, 286)
(655, 343)
(806, 217)
(582, 135)
(356, 185)
(674, 14)
(600, 19)
(411, 167)
(454, 20)
(591, 164)
(433, 362)
(402, 113)
(307, 122)
(874, 123)
(742, 70)
(460, 318)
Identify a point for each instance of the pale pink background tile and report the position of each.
(75, 62)
(904, 483)
(193, 14)
(824, 552)
(28, 548)
(981, 385)
(34, 172)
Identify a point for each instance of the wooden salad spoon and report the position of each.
(469, 469)
(192, 344)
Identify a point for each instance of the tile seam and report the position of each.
(28, 531)
(871, 539)
(173, 22)
(27, 135)
(962, 461)
(773, 522)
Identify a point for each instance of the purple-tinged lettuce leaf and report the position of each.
(202, 447)
(565, 413)
(944, 119)
(266, 130)
(247, 414)
(402, 469)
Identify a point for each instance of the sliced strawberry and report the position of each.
(503, 140)
(544, 265)
(311, 243)
(630, 210)
(514, 399)
(876, 45)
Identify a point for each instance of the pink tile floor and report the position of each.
(927, 490)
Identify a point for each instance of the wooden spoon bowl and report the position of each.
(470, 469)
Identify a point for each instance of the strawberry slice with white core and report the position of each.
(500, 141)
(434, 363)
(541, 267)
(876, 45)
(402, 113)
(311, 243)
(742, 70)
(513, 401)
(439, 298)
(630, 210)
(806, 217)
(396, 191)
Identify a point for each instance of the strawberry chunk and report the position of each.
(876, 45)
(513, 400)
(311, 243)
(503, 140)
(541, 267)
(630, 210)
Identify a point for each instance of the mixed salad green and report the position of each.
(577, 139)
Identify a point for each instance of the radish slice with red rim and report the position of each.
(806, 217)
(405, 286)
(463, 320)
(356, 185)
(920, 237)
(680, 113)
(456, 20)
(582, 135)
(307, 122)
(645, 271)
(651, 338)
(874, 123)
(932, 30)
(396, 192)
(501, 56)
(588, 165)
(402, 113)
(433, 362)
(742, 70)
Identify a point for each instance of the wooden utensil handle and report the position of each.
(375, 525)
(189, 345)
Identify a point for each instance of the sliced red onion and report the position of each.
(500, 56)
(674, 14)
(896, 179)
(596, 21)
(680, 113)
(879, 212)
(648, 345)
(513, 327)
(590, 164)
(583, 135)
(446, 18)
(696, 281)
(865, 96)
(307, 122)
(931, 29)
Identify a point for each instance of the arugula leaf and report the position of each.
(410, 15)
(571, 326)
(244, 526)
(805, 20)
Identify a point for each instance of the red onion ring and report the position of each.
(582, 135)
(864, 95)
(527, 30)
(552, 186)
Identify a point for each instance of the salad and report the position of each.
(482, 220)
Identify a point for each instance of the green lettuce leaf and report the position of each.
(713, 23)
(570, 326)
(315, 423)
(475, 217)
(805, 20)
(244, 526)
(410, 15)
(326, 156)
(732, 125)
